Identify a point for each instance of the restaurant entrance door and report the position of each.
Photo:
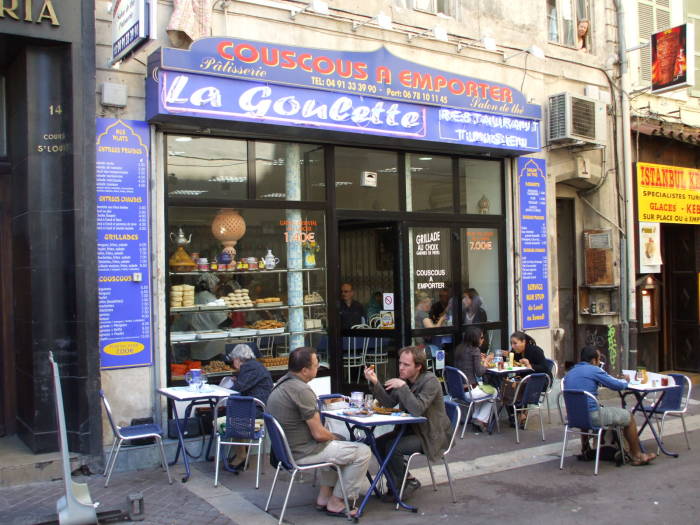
(369, 277)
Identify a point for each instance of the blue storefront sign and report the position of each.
(372, 93)
(534, 259)
(123, 253)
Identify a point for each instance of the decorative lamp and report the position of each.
(228, 227)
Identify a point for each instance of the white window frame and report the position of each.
(435, 7)
(571, 7)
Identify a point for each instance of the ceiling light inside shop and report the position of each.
(228, 179)
(274, 196)
(183, 139)
(186, 193)
(425, 158)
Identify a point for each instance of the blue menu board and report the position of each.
(534, 260)
(124, 289)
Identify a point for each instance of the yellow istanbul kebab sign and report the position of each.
(668, 193)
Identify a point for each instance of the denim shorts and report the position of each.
(607, 416)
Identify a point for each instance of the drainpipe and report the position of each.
(628, 300)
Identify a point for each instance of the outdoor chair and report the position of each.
(455, 414)
(354, 349)
(455, 381)
(375, 354)
(674, 403)
(239, 429)
(280, 448)
(578, 415)
(121, 434)
(554, 371)
(534, 388)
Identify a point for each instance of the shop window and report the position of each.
(366, 179)
(429, 183)
(563, 18)
(272, 163)
(206, 168)
(271, 295)
(481, 283)
(3, 124)
(431, 274)
(481, 186)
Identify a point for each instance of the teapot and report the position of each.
(180, 238)
(270, 260)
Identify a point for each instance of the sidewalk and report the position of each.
(236, 501)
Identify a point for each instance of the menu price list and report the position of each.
(123, 243)
(534, 265)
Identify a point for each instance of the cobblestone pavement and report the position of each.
(163, 504)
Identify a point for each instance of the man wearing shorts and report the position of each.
(587, 375)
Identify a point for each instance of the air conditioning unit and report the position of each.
(574, 119)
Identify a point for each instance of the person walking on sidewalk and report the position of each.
(587, 375)
(419, 393)
(295, 406)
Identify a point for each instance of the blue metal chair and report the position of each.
(455, 381)
(280, 447)
(674, 403)
(554, 371)
(578, 415)
(121, 434)
(455, 414)
(534, 389)
(239, 429)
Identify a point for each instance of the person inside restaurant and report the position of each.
(470, 360)
(253, 380)
(351, 312)
(439, 306)
(294, 404)
(374, 307)
(588, 376)
(419, 393)
(474, 312)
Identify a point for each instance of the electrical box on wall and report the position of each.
(598, 258)
(368, 179)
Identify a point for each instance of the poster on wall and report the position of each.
(123, 249)
(672, 61)
(534, 259)
(650, 247)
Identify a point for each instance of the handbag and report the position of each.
(193, 429)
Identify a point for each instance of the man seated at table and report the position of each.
(295, 406)
(587, 375)
(419, 393)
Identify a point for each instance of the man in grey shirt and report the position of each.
(295, 406)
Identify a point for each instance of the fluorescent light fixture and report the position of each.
(489, 43)
(382, 20)
(425, 158)
(183, 139)
(533, 50)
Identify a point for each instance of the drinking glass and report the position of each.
(369, 401)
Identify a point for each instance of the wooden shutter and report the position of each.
(653, 16)
(692, 15)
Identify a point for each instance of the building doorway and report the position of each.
(565, 350)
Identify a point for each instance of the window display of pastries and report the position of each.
(267, 324)
(239, 299)
(181, 295)
(265, 300)
(313, 298)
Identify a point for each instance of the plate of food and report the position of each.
(383, 411)
(357, 412)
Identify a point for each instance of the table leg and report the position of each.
(647, 420)
(181, 445)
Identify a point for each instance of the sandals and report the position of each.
(320, 508)
(643, 459)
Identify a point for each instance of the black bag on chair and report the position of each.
(194, 427)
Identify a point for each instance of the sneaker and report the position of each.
(411, 486)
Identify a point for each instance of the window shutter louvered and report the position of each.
(693, 15)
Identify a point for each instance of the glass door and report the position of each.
(368, 315)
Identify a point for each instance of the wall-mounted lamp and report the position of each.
(317, 6)
(438, 33)
(534, 50)
(382, 20)
(487, 43)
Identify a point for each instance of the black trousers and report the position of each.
(408, 444)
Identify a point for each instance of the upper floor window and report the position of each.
(568, 23)
(652, 16)
(443, 7)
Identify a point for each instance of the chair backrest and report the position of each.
(375, 321)
(577, 412)
(241, 412)
(454, 412)
(686, 387)
(357, 345)
(673, 397)
(534, 386)
(108, 410)
(278, 442)
(553, 368)
(455, 381)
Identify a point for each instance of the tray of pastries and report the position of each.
(266, 302)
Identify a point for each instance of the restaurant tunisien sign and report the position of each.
(668, 194)
(370, 92)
